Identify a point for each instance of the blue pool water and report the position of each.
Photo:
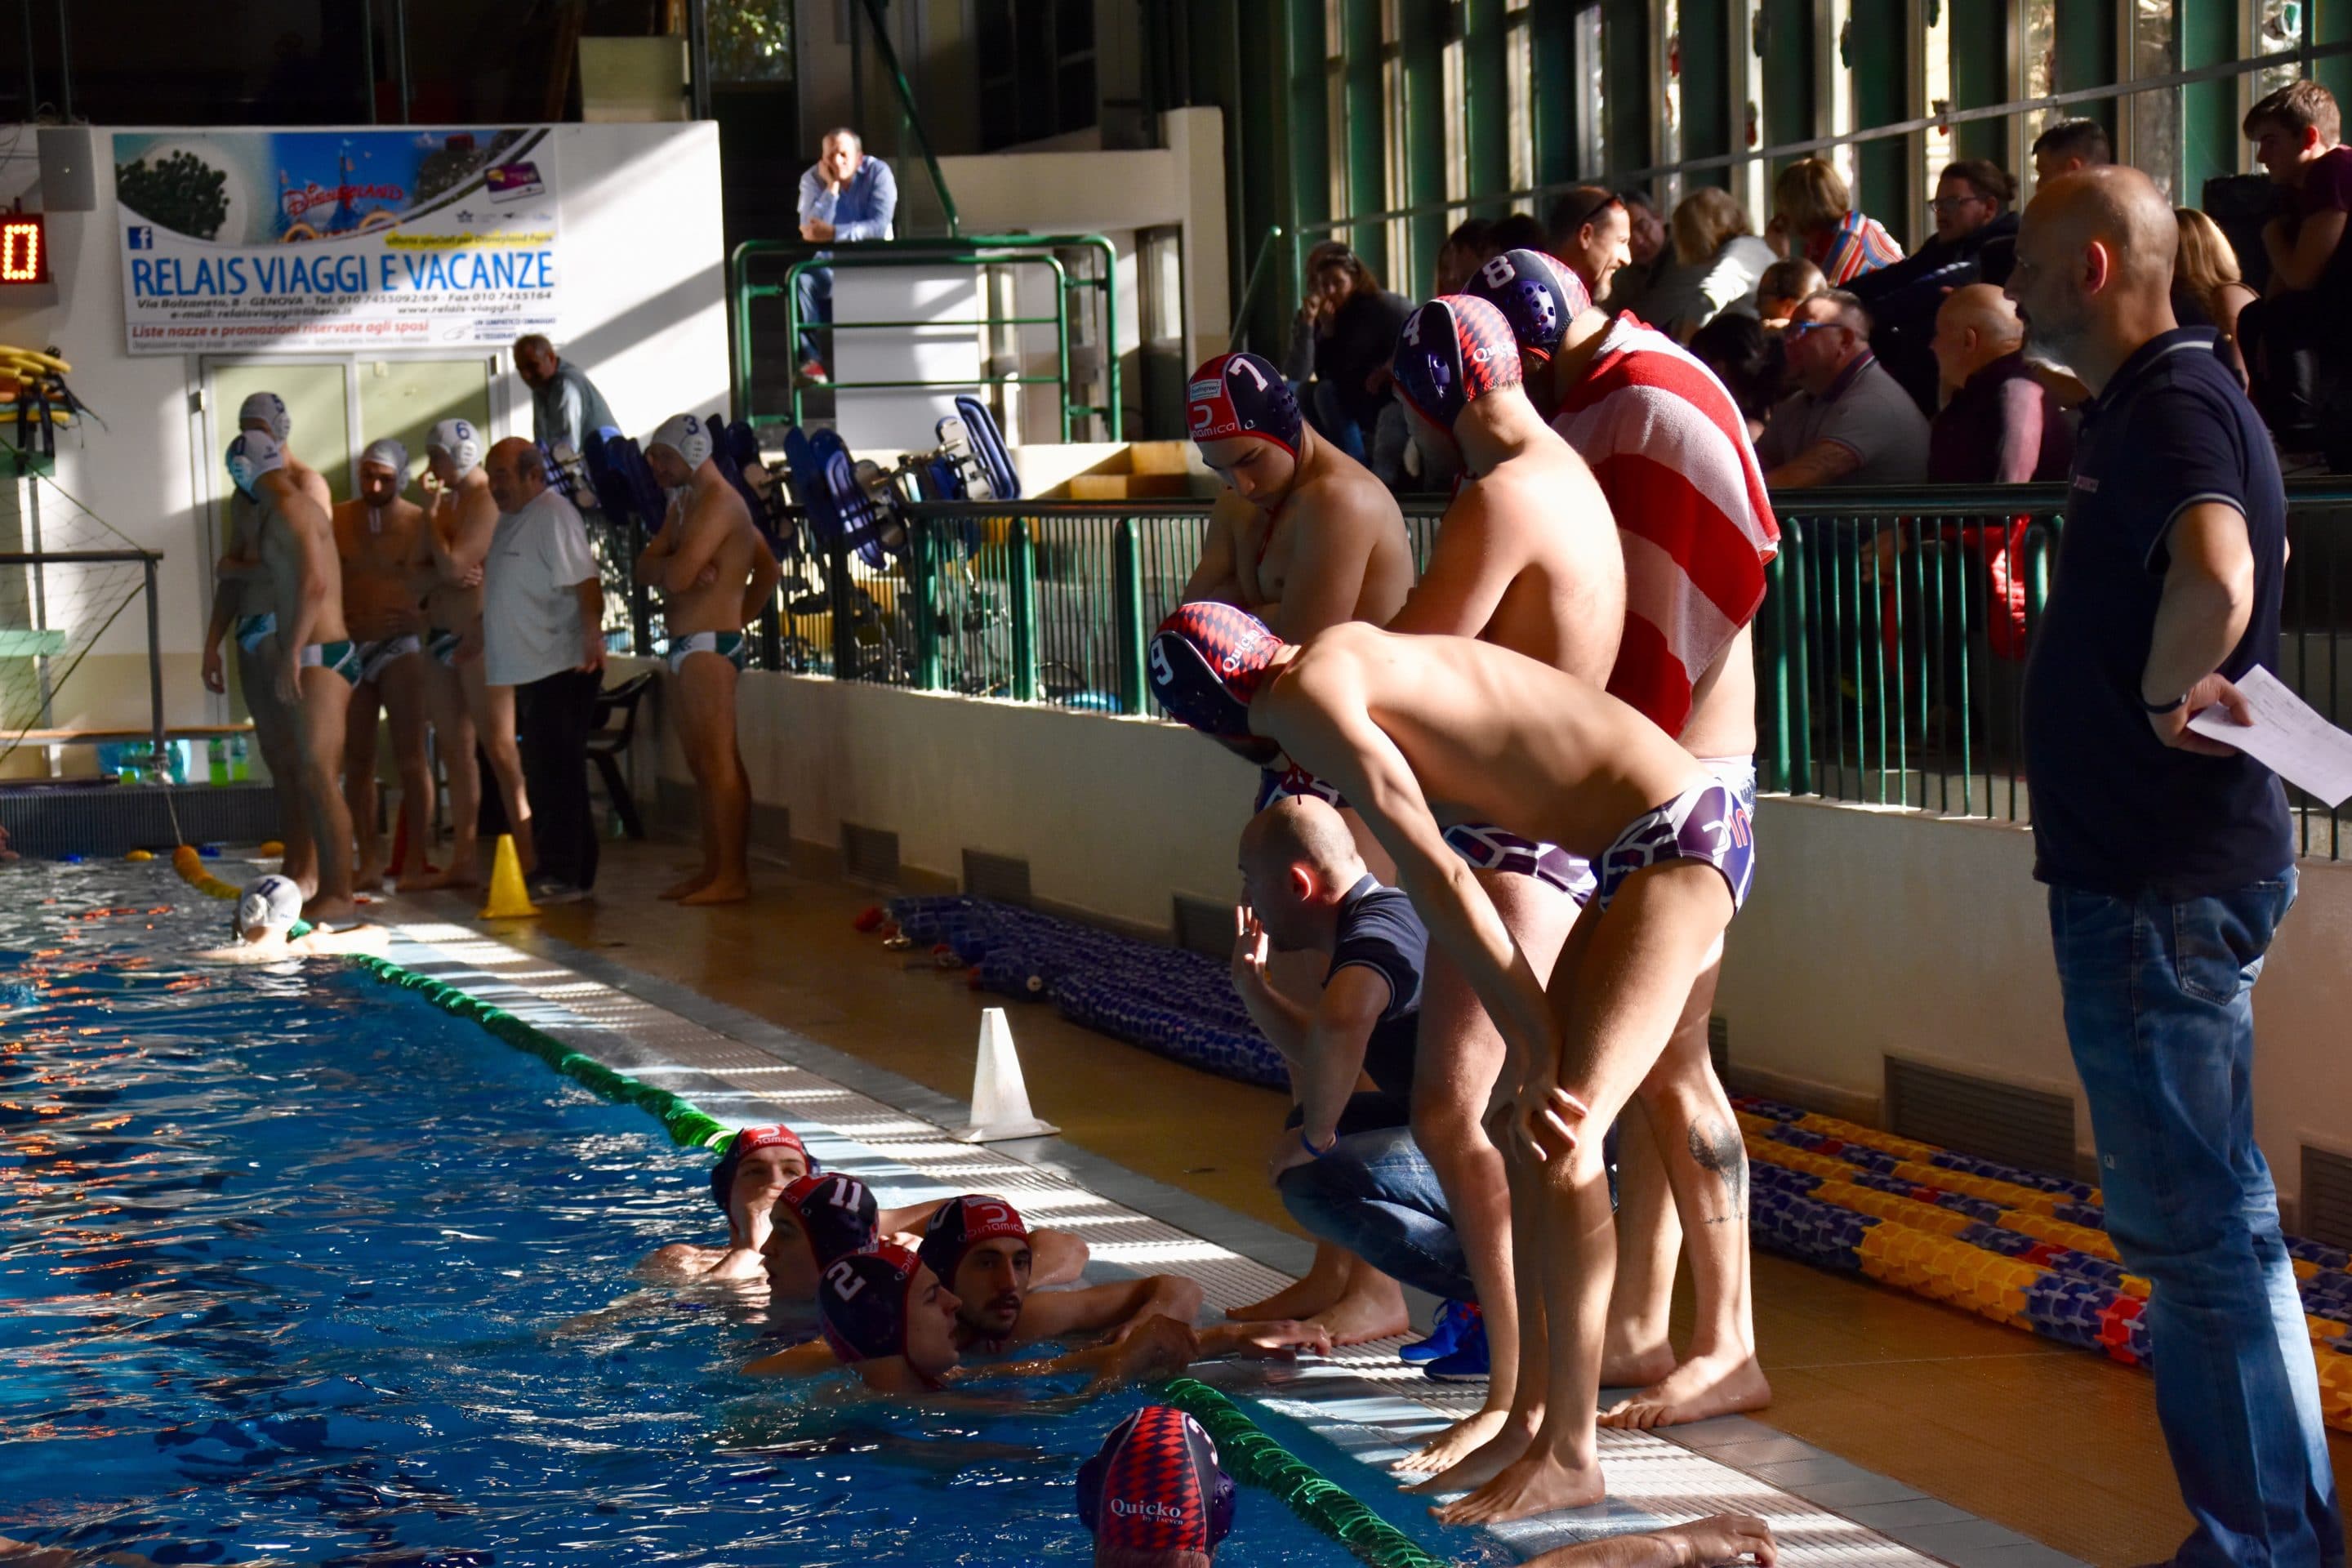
(295, 1267)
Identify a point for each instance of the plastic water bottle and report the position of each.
(216, 760)
(240, 763)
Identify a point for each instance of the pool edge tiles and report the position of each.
(735, 1065)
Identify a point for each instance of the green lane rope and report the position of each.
(1251, 1456)
(689, 1126)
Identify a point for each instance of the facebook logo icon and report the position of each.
(141, 237)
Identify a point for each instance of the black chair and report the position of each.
(609, 742)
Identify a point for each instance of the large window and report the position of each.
(1591, 89)
(1519, 78)
(1036, 69)
(1396, 120)
(751, 40)
(1457, 130)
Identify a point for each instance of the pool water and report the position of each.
(294, 1267)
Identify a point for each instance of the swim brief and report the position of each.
(729, 646)
(1293, 782)
(442, 644)
(1491, 848)
(252, 631)
(343, 657)
(377, 656)
(1706, 822)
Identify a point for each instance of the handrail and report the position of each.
(975, 250)
(1249, 288)
(914, 116)
(2217, 71)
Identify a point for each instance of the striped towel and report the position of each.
(1671, 453)
(1858, 244)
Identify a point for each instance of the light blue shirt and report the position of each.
(862, 210)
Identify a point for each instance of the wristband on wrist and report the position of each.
(1313, 1153)
(2172, 706)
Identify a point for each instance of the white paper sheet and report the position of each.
(2288, 736)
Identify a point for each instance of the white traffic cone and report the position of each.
(1000, 1097)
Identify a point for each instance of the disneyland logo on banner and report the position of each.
(334, 240)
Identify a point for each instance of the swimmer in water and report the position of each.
(886, 1316)
(982, 1249)
(760, 1164)
(1156, 1495)
(1421, 731)
(267, 912)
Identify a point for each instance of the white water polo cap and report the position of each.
(250, 455)
(687, 435)
(461, 441)
(270, 409)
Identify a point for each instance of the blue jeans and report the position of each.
(2160, 1013)
(813, 291)
(1375, 1194)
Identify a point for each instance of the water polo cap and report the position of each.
(722, 1174)
(961, 1222)
(1208, 659)
(685, 434)
(1241, 394)
(250, 455)
(270, 409)
(837, 1213)
(1156, 1486)
(1454, 351)
(458, 439)
(861, 1302)
(1538, 297)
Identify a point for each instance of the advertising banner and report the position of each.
(335, 241)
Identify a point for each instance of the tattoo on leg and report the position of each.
(1716, 1147)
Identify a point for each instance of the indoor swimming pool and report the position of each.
(297, 1267)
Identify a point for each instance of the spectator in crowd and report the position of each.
(1591, 232)
(1645, 246)
(1345, 333)
(1518, 231)
(1747, 360)
(2069, 145)
(2170, 855)
(1469, 245)
(1975, 241)
(1814, 216)
(2297, 333)
(564, 403)
(1785, 286)
(845, 197)
(543, 634)
(1718, 261)
(2208, 290)
(1848, 422)
(1997, 425)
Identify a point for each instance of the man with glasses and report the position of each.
(1974, 242)
(1849, 423)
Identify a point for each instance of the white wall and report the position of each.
(1871, 932)
(642, 310)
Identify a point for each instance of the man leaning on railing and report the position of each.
(844, 195)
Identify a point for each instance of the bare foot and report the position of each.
(1453, 1445)
(1537, 1483)
(368, 880)
(1701, 1387)
(726, 890)
(1362, 1316)
(330, 911)
(1301, 1299)
(693, 884)
(1635, 1368)
(452, 875)
(1483, 1464)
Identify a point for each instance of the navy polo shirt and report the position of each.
(2115, 810)
(1380, 931)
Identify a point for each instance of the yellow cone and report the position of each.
(508, 900)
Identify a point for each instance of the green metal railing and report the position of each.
(979, 252)
(1889, 653)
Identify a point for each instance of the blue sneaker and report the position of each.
(1444, 1338)
(1469, 1363)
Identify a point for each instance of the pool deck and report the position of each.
(887, 1129)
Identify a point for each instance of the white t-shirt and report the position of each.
(531, 613)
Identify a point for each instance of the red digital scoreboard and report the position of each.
(24, 249)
